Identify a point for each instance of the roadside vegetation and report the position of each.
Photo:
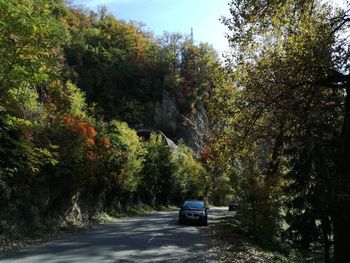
(282, 138)
(229, 241)
(67, 155)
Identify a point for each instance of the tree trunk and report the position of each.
(326, 231)
(341, 213)
(275, 156)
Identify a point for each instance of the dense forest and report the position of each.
(269, 126)
(73, 82)
(286, 122)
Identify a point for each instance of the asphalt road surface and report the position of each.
(153, 238)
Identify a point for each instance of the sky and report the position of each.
(173, 16)
(176, 16)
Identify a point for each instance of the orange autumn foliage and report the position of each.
(76, 124)
(205, 154)
(94, 143)
(104, 141)
(91, 155)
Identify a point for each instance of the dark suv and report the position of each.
(232, 206)
(193, 211)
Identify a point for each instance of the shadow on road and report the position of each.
(152, 238)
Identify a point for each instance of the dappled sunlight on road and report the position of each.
(152, 238)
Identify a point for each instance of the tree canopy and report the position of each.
(285, 122)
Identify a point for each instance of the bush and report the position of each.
(259, 211)
(190, 177)
(123, 164)
(157, 174)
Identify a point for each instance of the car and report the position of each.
(193, 211)
(234, 205)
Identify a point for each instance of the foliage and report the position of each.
(231, 240)
(29, 56)
(113, 62)
(125, 70)
(29, 42)
(190, 68)
(157, 179)
(64, 99)
(191, 178)
(171, 176)
(124, 162)
(283, 123)
(66, 74)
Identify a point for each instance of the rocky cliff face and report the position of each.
(166, 114)
(192, 127)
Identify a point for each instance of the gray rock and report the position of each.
(192, 128)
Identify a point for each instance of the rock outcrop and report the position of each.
(191, 127)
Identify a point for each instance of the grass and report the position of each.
(135, 210)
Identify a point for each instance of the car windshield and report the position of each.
(194, 204)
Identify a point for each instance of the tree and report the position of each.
(190, 176)
(157, 180)
(290, 83)
(29, 42)
(115, 63)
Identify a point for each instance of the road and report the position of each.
(153, 238)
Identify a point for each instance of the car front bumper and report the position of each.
(202, 219)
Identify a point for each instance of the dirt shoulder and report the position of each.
(226, 246)
(227, 243)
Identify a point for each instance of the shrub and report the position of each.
(157, 174)
(124, 163)
(190, 177)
